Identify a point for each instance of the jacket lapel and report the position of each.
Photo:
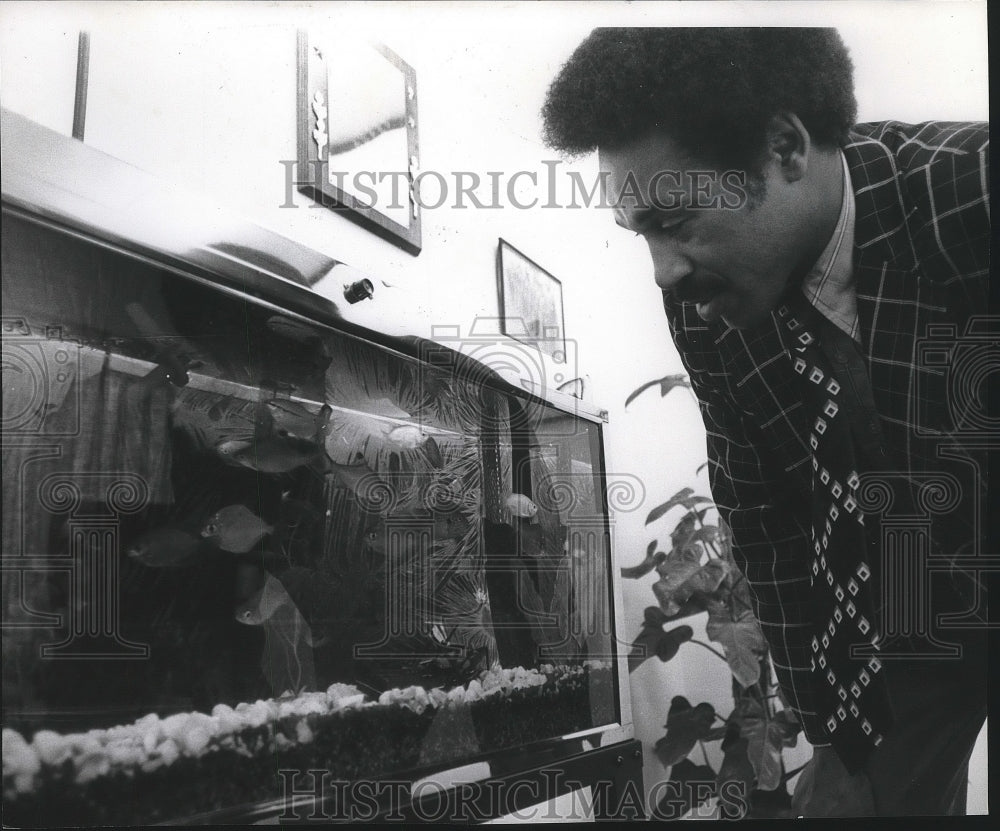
(757, 360)
(885, 266)
(758, 365)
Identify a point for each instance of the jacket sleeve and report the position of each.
(770, 537)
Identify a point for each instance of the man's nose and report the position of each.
(670, 265)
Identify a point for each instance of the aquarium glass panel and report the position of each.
(222, 512)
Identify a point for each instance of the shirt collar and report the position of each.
(829, 285)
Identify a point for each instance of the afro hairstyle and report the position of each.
(712, 90)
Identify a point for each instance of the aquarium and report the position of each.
(243, 537)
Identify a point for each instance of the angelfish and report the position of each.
(287, 659)
(521, 506)
(236, 528)
(275, 454)
(411, 437)
(290, 418)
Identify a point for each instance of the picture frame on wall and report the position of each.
(358, 147)
(531, 302)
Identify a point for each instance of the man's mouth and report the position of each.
(710, 308)
(706, 298)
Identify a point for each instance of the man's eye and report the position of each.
(668, 226)
(672, 225)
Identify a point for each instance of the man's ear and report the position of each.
(788, 145)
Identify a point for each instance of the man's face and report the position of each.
(709, 245)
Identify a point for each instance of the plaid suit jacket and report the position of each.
(921, 263)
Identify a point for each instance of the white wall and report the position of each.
(205, 95)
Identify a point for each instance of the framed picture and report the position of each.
(358, 152)
(531, 305)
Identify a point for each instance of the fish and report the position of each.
(521, 506)
(445, 527)
(287, 659)
(411, 437)
(312, 592)
(210, 420)
(230, 448)
(406, 436)
(236, 528)
(290, 418)
(451, 526)
(377, 539)
(274, 454)
(264, 603)
(164, 548)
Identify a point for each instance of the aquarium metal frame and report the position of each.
(614, 772)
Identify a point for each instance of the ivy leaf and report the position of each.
(679, 565)
(707, 533)
(767, 738)
(708, 578)
(686, 725)
(789, 724)
(689, 785)
(741, 640)
(653, 616)
(684, 578)
(666, 383)
(763, 755)
(653, 559)
(736, 768)
(738, 590)
(675, 570)
(680, 537)
(652, 640)
(685, 497)
(694, 605)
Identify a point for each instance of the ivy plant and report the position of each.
(696, 575)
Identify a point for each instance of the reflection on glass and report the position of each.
(210, 503)
(367, 126)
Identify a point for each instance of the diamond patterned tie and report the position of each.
(851, 694)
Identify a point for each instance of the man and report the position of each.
(810, 268)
